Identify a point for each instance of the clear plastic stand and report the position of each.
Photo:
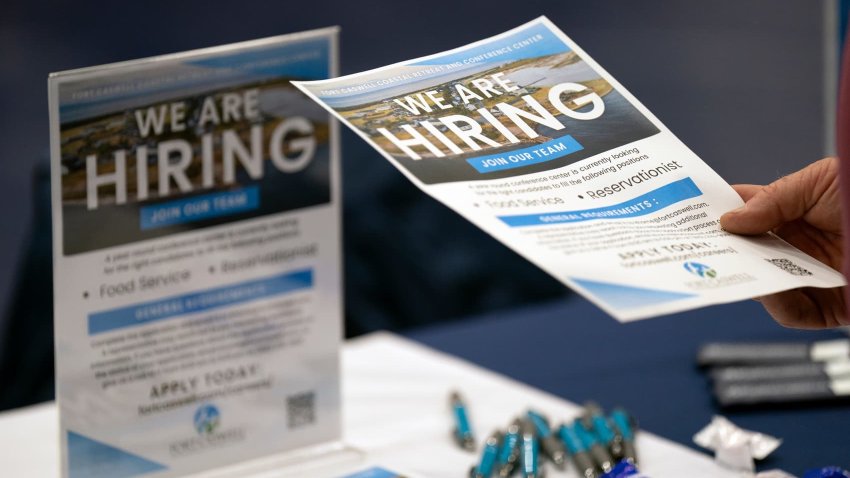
(326, 460)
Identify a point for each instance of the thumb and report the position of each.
(781, 201)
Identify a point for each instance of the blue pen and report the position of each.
(599, 453)
(509, 454)
(463, 431)
(595, 421)
(624, 469)
(582, 460)
(529, 453)
(552, 447)
(626, 425)
(487, 464)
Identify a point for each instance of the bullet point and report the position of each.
(580, 196)
(212, 269)
(85, 294)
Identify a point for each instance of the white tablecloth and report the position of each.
(396, 413)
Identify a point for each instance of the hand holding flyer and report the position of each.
(528, 138)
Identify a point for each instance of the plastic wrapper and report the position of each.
(733, 446)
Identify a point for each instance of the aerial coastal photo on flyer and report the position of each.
(516, 104)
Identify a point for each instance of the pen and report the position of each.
(773, 352)
(748, 393)
(834, 369)
(594, 420)
(462, 431)
(487, 463)
(552, 447)
(600, 455)
(624, 469)
(529, 453)
(509, 454)
(626, 425)
(582, 460)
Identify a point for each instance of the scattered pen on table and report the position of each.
(626, 424)
(510, 452)
(462, 431)
(552, 447)
(578, 453)
(595, 442)
(599, 453)
(595, 421)
(529, 452)
(489, 455)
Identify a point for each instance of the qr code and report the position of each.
(301, 409)
(789, 267)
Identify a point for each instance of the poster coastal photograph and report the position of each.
(143, 151)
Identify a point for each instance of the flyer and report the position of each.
(527, 137)
(196, 222)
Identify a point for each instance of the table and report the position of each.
(573, 350)
(396, 413)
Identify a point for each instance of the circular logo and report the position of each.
(701, 270)
(207, 419)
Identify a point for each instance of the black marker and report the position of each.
(749, 393)
(832, 370)
(720, 353)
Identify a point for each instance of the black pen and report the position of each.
(749, 393)
(729, 353)
(831, 370)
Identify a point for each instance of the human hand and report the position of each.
(804, 209)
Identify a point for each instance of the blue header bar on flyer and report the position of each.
(199, 207)
(648, 203)
(539, 153)
(175, 306)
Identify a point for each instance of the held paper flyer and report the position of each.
(527, 137)
(196, 258)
